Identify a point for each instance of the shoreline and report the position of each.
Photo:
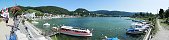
(148, 34)
(37, 30)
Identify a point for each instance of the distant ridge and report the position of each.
(79, 11)
(113, 13)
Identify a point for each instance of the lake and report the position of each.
(102, 26)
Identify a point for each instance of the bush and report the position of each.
(29, 20)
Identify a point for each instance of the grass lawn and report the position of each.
(155, 29)
(54, 38)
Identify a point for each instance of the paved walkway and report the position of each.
(4, 30)
(162, 34)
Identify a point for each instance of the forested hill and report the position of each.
(79, 11)
(48, 9)
(113, 13)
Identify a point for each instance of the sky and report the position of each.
(92, 5)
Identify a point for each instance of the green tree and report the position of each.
(81, 12)
(37, 13)
(166, 13)
(161, 13)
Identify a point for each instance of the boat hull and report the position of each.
(76, 34)
(134, 32)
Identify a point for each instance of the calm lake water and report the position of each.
(108, 26)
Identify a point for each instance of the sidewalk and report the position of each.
(34, 32)
(4, 30)
(162, 34)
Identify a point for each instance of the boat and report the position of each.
(134, 31)
(46, 25)
(35, 22)
(129, 19)
(141, 28)
(137, 24)
(136, 20)
(114, 38)
(147, 26)
(55, 29)
(69, 30)
(138, 27)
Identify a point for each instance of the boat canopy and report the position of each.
(75, 29)
(67, 27)
(138, 24)
(47, 24)
(112, 38)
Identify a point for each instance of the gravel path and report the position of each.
(162, 34)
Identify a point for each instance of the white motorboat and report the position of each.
(69, 30)
(46, 25)
(35, 22)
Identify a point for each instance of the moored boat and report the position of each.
(69, 30)
(138, 27)
(134, 31)
(35, 22)
(114, 38)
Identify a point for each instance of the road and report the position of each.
(162, 34)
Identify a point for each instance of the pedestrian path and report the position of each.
(5, 31)
(162, 34)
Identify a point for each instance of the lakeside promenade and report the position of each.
(5, 30)
(32, 32)
(162, 34)
(22, 34)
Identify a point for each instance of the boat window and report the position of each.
(84, 32)
(83, 29)
(138, 26)
(131, 30)
(136, 30)
(65, 29)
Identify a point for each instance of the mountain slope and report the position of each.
(113, 13)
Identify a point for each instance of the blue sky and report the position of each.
(92, 5)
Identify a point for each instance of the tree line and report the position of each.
(142, 15)
(164, 14)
